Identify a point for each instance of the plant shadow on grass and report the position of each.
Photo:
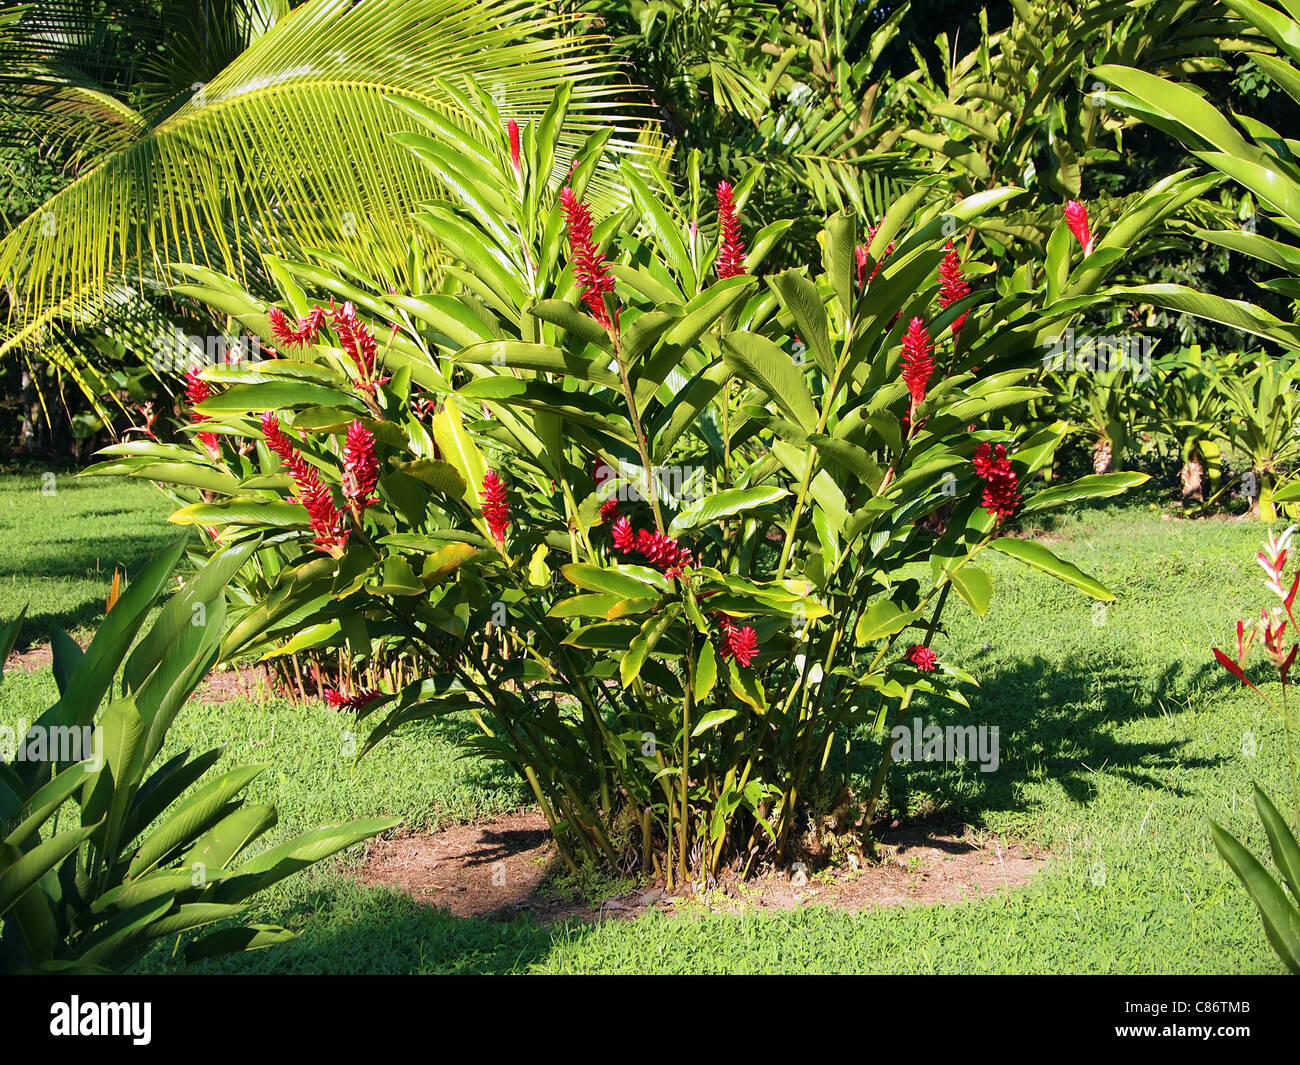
(1054, 725)
(78, 557)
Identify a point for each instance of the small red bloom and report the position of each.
(731, 249)
(589, 267)
(304, 332)
(952, 286)
(609, 509)
(922, 657)
(918, 359)
(739, 643)
(360, 469)
(496, 511)
(1076, 218)
(662, 551)
(512, 127)
(359, 701)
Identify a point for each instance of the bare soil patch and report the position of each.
(504, 868)
(220, 685)
(29, 661)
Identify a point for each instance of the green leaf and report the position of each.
(883, 619)
(974, 585)
(1280, 915)
(706, 675)
(1093, 486)
(722, 505)
(760, 362)
(1036, 556)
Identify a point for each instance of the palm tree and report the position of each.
(248, 126)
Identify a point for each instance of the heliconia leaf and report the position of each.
(713, 719)
(974, 585)
(1280, 915)
(241, 512)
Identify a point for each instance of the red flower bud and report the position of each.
(1076, 218)
(512, 127)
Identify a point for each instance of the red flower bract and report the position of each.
(731, 249)
(359, 701)
(355, 338)
(922, 657)
(1076, 218)
(496, 511)
(305, 332)
(360, 469)
(589, 266)
(196, 391)
(658, 549)
(739, 643)
(863, 250)
(624, 537)
(918, 359)
(512, 128)
(326, 520)
(1001, 492)
(952, 286)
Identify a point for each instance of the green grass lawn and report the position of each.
(1118, 740)
(61, 537)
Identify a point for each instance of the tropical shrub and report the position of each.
(107, 851)
(671, 535)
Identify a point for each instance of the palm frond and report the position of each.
(293, 143)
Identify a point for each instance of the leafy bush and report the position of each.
(151, 853)
(490, 482)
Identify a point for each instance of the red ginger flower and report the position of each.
(589, 266)
(360, 469)
(922, 657)
(355, 338)
(326, 521)
(862, 251)
(1001, 495)
(359, 701)
(952, 286)
(663, 551)
(609, 509)
(918, 359)
(496, 511)
(731, 249)
(512, 127)
(624, 537)
(1076, 217)
(304, 332)
(738, 642)
(658, 549)
(196, 391)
